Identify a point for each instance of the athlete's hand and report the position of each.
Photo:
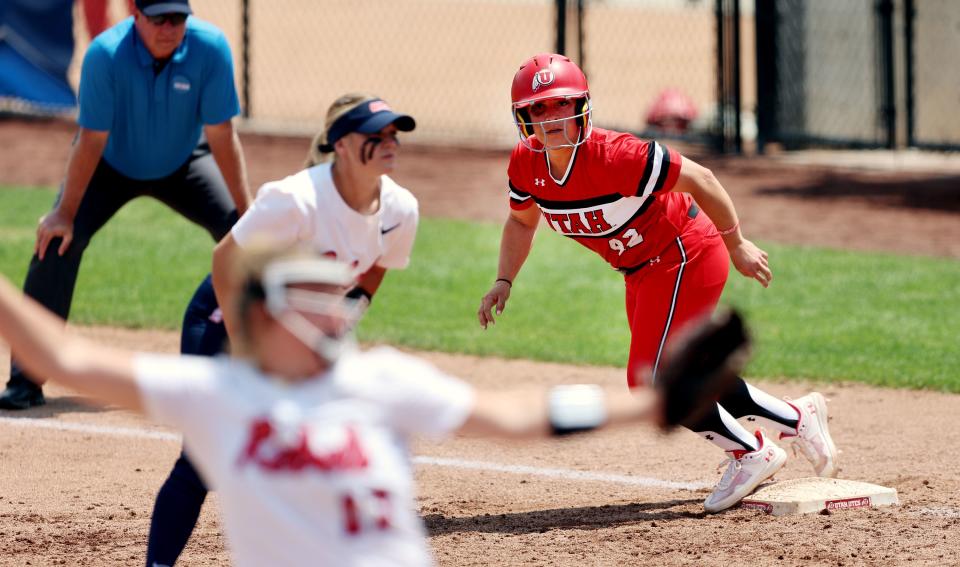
(497, 296)
(751, 261)
(53, 224)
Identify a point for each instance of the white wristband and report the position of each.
(577, 407)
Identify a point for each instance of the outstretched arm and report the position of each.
(41, 344)
(515, 246)
(699, 367)
(529, 414)
(710, 195)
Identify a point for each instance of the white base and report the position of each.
(808, 495)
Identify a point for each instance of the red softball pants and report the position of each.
(681, 285)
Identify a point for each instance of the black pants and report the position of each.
(196, 190)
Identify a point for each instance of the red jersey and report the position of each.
(615, 197)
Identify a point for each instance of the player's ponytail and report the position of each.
(320, 150)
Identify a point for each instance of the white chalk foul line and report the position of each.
(938, 511)
(565, 474)
(90, 429)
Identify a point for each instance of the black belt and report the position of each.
(692, 212)
(633, 269)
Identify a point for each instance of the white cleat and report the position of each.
(813, 434)
(745, 472)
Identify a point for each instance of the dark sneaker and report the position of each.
(21, 395)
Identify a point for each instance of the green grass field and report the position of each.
(829, 315)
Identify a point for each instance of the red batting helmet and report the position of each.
(549, 76)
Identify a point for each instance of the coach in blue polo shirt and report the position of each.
(156, 100)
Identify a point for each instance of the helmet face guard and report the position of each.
(306, 296)
(544, 77)
(525, 125)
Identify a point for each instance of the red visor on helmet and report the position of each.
(548, 76)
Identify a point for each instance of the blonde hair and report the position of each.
(341, 106)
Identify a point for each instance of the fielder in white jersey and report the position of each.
(343, 206)
(304, 437)
(307, 208)
(315, 473)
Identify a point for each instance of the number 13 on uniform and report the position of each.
(632, 239)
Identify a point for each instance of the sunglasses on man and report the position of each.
(175, 19)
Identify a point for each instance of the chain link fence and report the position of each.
(449, 63)
(827, 73)
(859, 73)
(644, 58)
(866, 73)
(935, 94)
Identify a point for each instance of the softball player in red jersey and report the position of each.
(305, 438)
(668, 225)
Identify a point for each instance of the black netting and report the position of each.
(652, 65)
(871, 73)
(828, 79)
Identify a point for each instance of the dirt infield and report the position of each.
(77, 484)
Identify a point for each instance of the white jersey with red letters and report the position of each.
(307, 208)
(316, 473)
(614, 198)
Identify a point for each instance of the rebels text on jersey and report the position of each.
(615, 197)
(313, 473)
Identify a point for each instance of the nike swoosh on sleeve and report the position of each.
(386, 230)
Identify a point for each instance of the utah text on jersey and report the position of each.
(614, 200)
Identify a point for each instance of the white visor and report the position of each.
(322, 319)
